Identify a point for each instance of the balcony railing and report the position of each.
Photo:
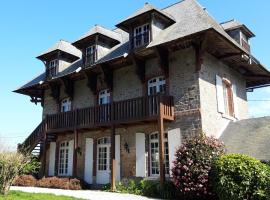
(90, 59)
(141, 39)
(128, 111)
(246, 45)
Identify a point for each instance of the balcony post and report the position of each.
(75, 144)
(44, 146)
(161, 144)
(113, 163)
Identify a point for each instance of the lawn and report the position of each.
(16, 195)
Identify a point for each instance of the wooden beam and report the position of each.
(258, 78)
(55, 91)
(161, 146)
(108, 75)
(163, 59)
(113, 162)
(140, 67)
(200, 46)
(68, 86)
(229, 55)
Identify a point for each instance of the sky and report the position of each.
(27, 28)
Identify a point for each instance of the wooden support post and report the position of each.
(161, 146)
(113, 170)
(44, 147)
(75, 145)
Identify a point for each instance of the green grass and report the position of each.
(16, 195)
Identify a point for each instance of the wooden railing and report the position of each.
(34, 138)
(137, 109)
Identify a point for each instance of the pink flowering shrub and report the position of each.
(193, 164)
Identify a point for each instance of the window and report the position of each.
(154, 156)
(91, 55)
(53, 68)
(141, 35)
(156, 85)
(66, 105)
(104, 97)
(228, 98)
(104, 145)
(63, 158)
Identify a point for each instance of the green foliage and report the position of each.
(193, 164)
(238, 177)
(16, 195)
(148, 188)
(13, 164)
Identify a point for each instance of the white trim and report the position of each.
(220, 96)
(117, 157)
(235, 101)
(140, 155)
(70, 157)
(156, 83)
(52, 159)
(88, 164)
(174, 142)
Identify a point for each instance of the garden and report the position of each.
(202, 170)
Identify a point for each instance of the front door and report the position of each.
(103, 160)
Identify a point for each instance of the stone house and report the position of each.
(112, 97)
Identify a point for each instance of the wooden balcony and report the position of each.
(122, 112)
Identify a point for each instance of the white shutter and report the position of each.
(52, 159)
(220, 98)
(88, 164)
(174, 142)
(117, 157)
(140, 155)
(70, 157)
(235, 100)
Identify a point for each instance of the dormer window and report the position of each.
(90, 55)
(53, 68)
(141, 35)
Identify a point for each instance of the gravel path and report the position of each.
(83, 194)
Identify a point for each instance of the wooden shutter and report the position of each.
(117, 157)
(220, 97)
(70, 157)
(88, 165)
(235, 100)
(174, 142)
(140, 155)
(52, 159)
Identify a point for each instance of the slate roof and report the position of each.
(250, 137)
(64, 46)
(190, 17)
(97, 29)
(233, 24)
(146, 8)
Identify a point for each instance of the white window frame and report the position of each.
(158, 84)
(103, 163)
(66, 105)
(104, 97)
(53, 67)
(154, 142)
(141, 32)
(89, 51)
(63, 158)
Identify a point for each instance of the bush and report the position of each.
(59, 183)
(13, 164)
(26, 181)
(193, 164)
(240, 177)
(149, 188)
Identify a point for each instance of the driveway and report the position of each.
(83, 194)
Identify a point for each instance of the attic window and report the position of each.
(141, 35)
(91, 55)
(52, 68)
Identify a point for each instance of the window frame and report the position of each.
(142, 34)
(53, 69)
(228, 98)
(104, 143)
(106, 94)
(67, 103)
(63, 163)
(158, 84)
(92, 53)
(166, 154)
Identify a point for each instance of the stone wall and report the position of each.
(212, 121)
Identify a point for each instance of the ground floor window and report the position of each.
(103, 150)
(154, 154)
(63, 158)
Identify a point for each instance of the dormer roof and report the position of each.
(234, 24)
(147, 8)
(62, 46)
(97, 29)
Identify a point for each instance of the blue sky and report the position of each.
(27, 28)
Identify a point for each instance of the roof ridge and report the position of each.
(181, 1)
(231, 20)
